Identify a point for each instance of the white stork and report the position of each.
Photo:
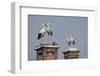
(49, 29)
(42, 31)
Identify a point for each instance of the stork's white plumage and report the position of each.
(72, 40)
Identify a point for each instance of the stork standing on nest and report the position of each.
(46, 29)
(72, 40)
(42, 31)
(49, 29)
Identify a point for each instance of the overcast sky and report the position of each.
(62, 26)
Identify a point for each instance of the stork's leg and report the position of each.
(48, 40)
(42, 40)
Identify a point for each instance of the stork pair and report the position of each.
(46, 29)
(70, 40)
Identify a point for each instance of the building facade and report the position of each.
(71, 53)
(47, 51)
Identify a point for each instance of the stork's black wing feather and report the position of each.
(50, 33)
(73, 42)
(39, 36)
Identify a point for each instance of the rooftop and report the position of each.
(71, 49)
(51, 44)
